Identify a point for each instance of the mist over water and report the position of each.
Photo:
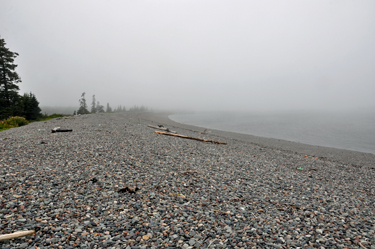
(352, 130)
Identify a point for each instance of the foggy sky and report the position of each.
(197, 55)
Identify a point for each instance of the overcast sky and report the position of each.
(199, 55)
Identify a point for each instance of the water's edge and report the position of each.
(339, 155)
(335, 130)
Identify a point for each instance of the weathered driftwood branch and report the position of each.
(58, 129)
(187, 137)
(16, 235)
(161, 128)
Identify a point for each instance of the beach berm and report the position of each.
(114, 183)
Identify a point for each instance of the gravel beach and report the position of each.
(114, 183)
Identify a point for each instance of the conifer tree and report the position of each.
(31, 107)
(93, 107)
(99, 107)
(109, 109)
(82, 105)
(10, 101)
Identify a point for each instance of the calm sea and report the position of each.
(352, 131)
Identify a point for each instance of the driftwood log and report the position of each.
(187, 137)
(161, 128)
(58, 129)
(16, 235)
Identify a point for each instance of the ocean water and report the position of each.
(352, 130)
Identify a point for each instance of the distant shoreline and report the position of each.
(339, 155)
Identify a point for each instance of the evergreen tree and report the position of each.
(99, 107)
(109, 109)
(93, 107)
(10, 101)
(74, 113)
(82, 105)
(134, 108)
(31, 107)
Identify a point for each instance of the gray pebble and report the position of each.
(190, 193)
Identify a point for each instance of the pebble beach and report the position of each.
(114, 183)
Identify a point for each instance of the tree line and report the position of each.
(11, 102)
(96, 107)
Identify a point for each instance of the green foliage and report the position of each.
(55, 115)
(94, 108)
(12, 122)
(13, 106)
(99, 107)
(82, 105)
(109, 109)
(31, 107)
(49, 117)
(10, 101)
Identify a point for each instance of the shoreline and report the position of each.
(339, 155)
(114, 183)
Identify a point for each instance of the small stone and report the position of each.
(145, 237)
(281, 240)
(274, 245)
(228, 228)
(241, 195)
(191, 242)
(24, 245)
